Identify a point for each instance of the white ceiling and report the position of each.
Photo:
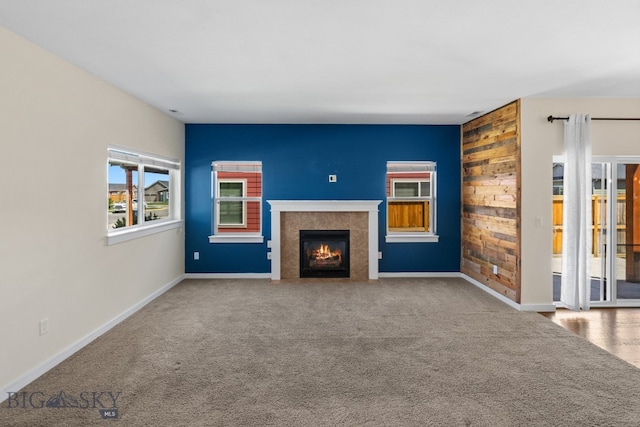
(341, 61)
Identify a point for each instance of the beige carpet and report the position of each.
(399, 352)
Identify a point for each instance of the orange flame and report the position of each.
(325, 252)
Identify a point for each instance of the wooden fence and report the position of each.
(599, 209)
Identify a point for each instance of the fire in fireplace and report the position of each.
(324, 253)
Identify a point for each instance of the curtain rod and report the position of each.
(550, 119)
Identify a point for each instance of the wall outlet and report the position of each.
(380, 255)
(333, 178)
(196, 255)
(44, 326)
(268, 255)
(495, 269)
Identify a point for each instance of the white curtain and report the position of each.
(576, 215)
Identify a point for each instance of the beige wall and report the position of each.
(542, 140)
(56, 122)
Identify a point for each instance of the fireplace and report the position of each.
(288, 217)
(324, 253)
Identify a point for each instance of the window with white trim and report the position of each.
(143, 193)
(237, 202)
(232, 213)
(411, 198)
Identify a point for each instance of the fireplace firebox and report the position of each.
(324, 253)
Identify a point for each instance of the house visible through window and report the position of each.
(141, 192)
(411, 201)
(237, 202)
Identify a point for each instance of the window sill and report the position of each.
(236, 238)
(411, 238)
(130, 233)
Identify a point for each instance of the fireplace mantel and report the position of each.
(278, 206)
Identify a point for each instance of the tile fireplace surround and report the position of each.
(288, 217)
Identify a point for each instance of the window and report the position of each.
(231, 213)
(143, 192)
(237, 202)
(411, 188)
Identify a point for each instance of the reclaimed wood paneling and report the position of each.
(491, 200)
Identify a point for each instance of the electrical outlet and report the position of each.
(495, 269)
(268, 255)
(333, 178)
(44, 326)
(380, 255)
(196, 256)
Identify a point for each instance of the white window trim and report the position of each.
(147, 228)
(414, 237)
(411, 238)
(230, 237)
(129, 233)
(236, 238)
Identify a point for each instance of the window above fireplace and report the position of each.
(237, 202)
(411, 201)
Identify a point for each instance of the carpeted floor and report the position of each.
(399, 352)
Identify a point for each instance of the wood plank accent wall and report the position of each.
(491, 200)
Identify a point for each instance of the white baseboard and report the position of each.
(418, 274)
(227, 276)
(32, 375)
(268, 275)
(540, 308)
(491, 292)
(519, 307)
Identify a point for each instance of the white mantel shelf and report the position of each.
(278, 206)
(324, 205)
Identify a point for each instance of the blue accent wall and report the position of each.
(296, 163)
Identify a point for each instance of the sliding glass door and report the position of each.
(615, 262)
